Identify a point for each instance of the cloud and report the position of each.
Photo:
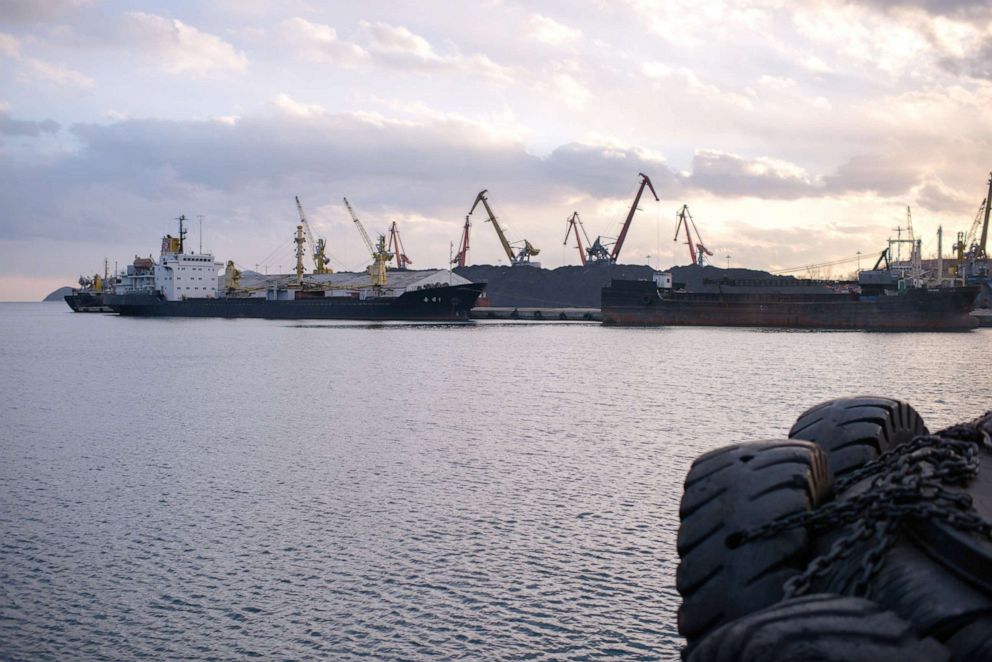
(55, 74)
(957, 8)
(9, 45)
(37, 11)
(690, 83)
(936, 196)
(975, 65)
(33, 69)
(180, 48)
(379, 44)
(284, 103)
(550, 31)
(885, 174)
(12, 127)
(320, 43)
(763, 178)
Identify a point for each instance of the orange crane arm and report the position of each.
(630, 215)
(462, 256)
(396, 246)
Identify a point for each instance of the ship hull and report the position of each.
(87, 302)
(443, 304)
(639, 303)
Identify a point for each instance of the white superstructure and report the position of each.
(177, 275)
(181, 275)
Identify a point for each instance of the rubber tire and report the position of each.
(854, 431)
(973, 641)
(921, 578)
(729, 490)
(820, 627)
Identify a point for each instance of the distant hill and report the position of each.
(58, 294)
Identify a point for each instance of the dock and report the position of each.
(537, 314)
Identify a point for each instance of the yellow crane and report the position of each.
(317, 248)
(380, 255)
(524, 254)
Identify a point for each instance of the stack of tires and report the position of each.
(930, 598)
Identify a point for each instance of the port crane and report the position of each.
(461, 257)
(526, 251)
(380, 254)
(317, 248)
(575, 223)
(696, 249)
(973, 245)
(598, 251)
(396, 246)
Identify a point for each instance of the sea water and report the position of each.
(249, 488)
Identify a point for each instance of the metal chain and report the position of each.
(907, 482)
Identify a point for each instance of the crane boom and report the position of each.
(492, 219)
(303, 221)
(462, 256)
(684, 221)
(574, 223)
(318, 247)
(361, 228)
(396, 246)
(630, 215)
(380, 254)
(983, 246)
(696, 248)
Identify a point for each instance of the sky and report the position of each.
(797, 133)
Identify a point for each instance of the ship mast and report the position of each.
(182, 232)
(300, 240)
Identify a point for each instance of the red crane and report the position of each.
(696, 249)
(461, 257)
(630, 216)
(575, 223)
(396, 247)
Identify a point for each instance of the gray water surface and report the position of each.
(226, 489)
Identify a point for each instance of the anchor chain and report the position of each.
(907, 483)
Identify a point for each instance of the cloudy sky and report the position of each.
(797, 133)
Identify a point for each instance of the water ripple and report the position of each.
(229, 490)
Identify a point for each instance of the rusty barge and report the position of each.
(867, 306)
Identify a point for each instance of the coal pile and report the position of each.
(579, 287)
(564, 287)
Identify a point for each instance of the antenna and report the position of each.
(200, 216)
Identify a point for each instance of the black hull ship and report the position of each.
(185, 284)
(82, 301)
(446, 303)
(643, 303)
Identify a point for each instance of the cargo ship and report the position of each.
(876, 302)
(186, 284)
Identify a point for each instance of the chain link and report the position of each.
(907, 482)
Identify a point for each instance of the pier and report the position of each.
(537, 314)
